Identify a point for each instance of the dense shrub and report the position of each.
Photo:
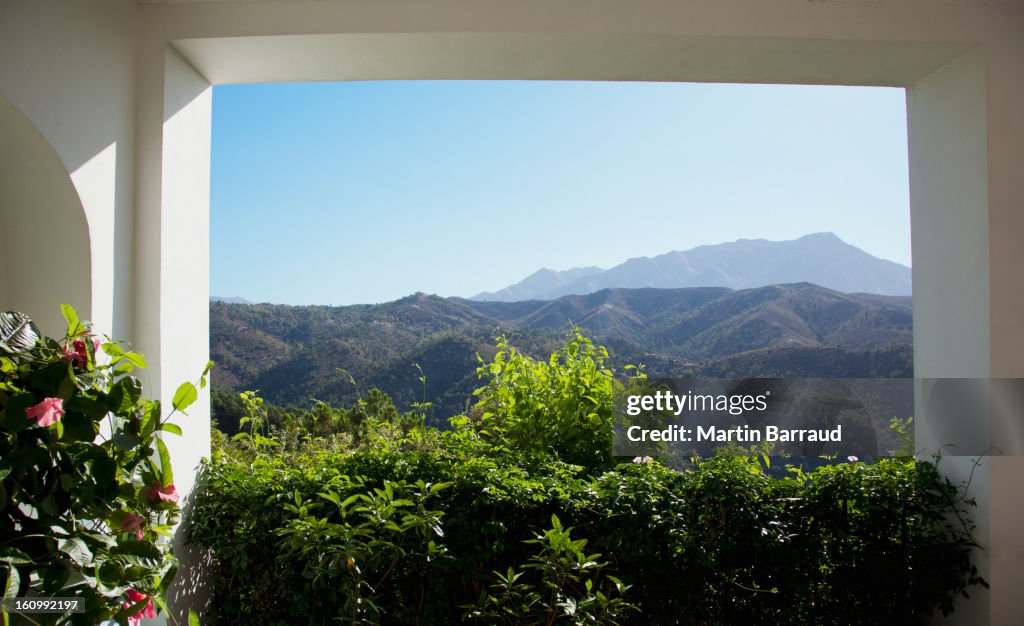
(87, 495)
(722, 543)
(491, 523)
(563, 406)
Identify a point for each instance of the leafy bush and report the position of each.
(87, 495)
(566, 585)
(491, 523)
(562, 406)
(355, 548)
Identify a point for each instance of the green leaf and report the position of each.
(76, 550)
(104, 469)
(169, 575)
(135, 359)
(193, 619)
(15, 418)
(125, 394)
(75, 327)
(139, 551)
(112, 349)
(185, 396)
(123, 367)
(160, 604)
(166, 475)
(134, 609)
(17, 332)
(94, 409)
(171, 428)
(206, 371)
(54, 577)
(66, 388)
(14, 556)
(104, 540)
(77, 427)
(12, 584)
(150, 417)
(332, 497)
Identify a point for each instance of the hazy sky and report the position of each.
(361, 192)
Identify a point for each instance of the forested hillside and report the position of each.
(293, 354)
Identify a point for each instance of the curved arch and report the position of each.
(44, 235)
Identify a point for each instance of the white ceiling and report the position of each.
(561, 56)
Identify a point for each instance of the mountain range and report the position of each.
(294, 353)
(822, 259)
(229, 299)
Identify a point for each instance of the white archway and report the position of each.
(45, 236)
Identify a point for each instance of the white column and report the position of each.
(950, 244)
(1004, 73)
(185, 257)
(172, 260)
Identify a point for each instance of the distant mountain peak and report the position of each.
(819, 258)
(229, 299)
(542, 281)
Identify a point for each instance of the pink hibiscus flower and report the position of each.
(165, 494)
(77, 353)
(148, 611)
(134, 522)
(47, 412)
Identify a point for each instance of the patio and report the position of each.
(105, 118)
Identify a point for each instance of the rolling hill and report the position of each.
(295, 353)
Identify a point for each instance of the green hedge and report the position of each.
(380, 522)
(723, 543)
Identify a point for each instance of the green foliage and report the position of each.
(847, 527)
(519, 516)
(904, 430)
(87, 497)
(373, 422)
(562, 406)
(256, 419)
(352, 550)
(723, 543)
(561, 584)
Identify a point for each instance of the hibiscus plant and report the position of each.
(87, 495)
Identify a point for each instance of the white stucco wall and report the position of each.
(185, 255)
(69, 67)
(949, 220)
(43, 235)
(950, 242)
(1004, 110)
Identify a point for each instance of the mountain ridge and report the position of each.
(294, 353)
(819, 258)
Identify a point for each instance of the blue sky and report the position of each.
(362, 192)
